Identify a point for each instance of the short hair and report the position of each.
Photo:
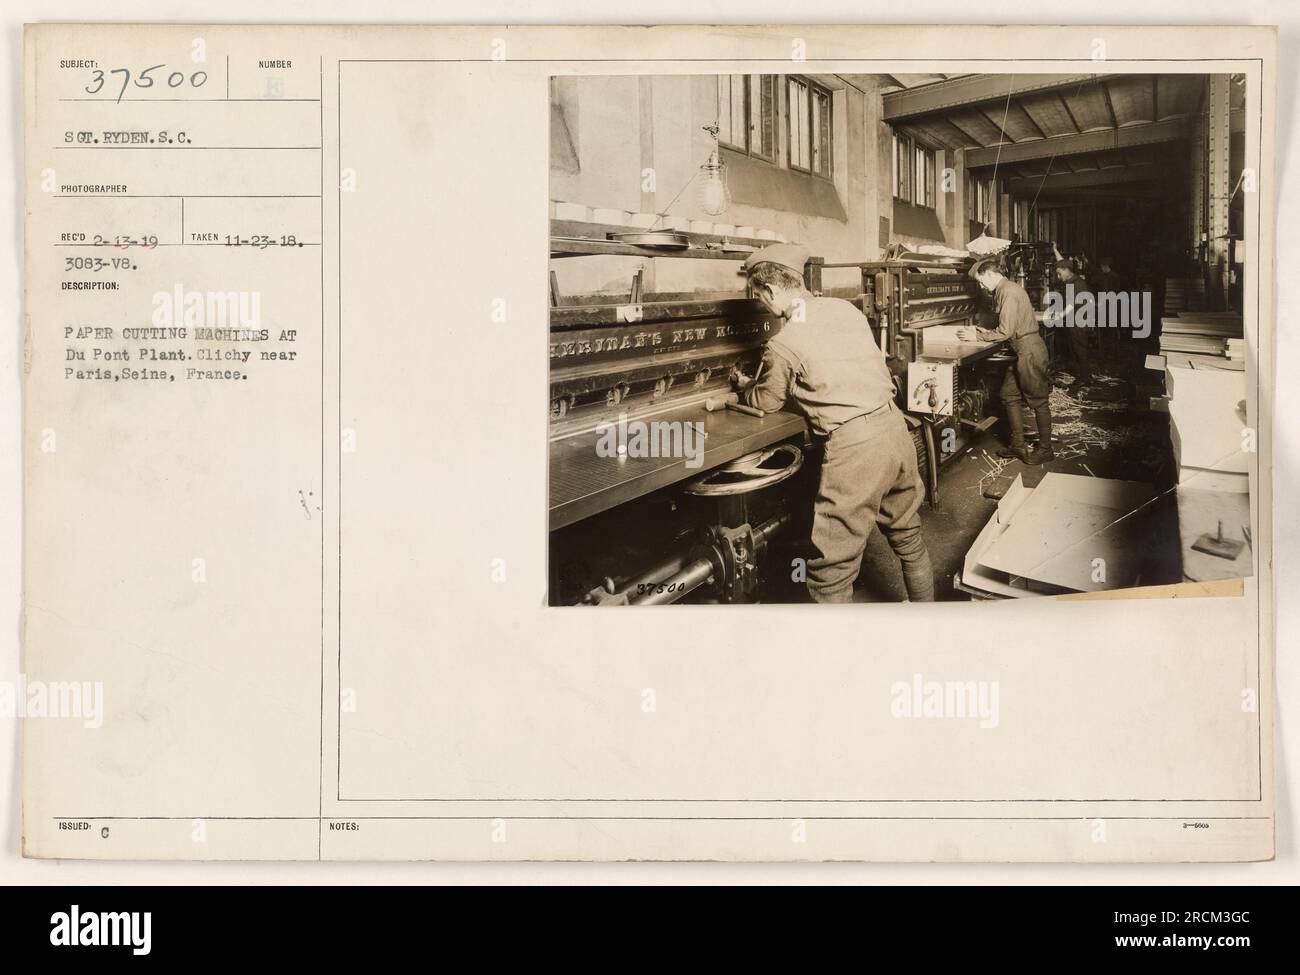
(775, 276)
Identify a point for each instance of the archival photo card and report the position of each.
(766, 443)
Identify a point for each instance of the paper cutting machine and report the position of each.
(635, 521)
(916, 303)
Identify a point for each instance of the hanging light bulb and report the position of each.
(715, 198)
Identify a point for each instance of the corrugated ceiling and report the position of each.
(1094, 105)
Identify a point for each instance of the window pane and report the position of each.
(762, 140)
(902, 165)
(739, 122)
(792, 121)
(724, 108)
(821, 133)
(905, 164)
(895, 182)
(731, 110)
(815, 131)
(900, 170)
(804, 130)
(798, 112)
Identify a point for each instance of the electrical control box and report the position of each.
(932, 388)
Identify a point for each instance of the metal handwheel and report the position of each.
(748, 473)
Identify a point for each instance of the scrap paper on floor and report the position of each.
(976, 576)
(1067, 523)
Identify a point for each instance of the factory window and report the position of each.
(923, 185)
(902, 167)
(747, 114)
(914, 172)
(1047, 225)
(808, 125)
(979, 199)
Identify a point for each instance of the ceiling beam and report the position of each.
(1086, 178)
(1030, 119)
(1169, 130)
(968, 140)
(1060, 97)
(1110, 106)
(1129, 194)
(971, 90)
(1002, 129)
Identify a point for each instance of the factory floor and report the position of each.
(1108, 432)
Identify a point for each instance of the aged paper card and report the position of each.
(440, 443)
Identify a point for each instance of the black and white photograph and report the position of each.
(870, 338)
(964, 311)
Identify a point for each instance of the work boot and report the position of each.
(1016, 430)
(1039, 456)
(1017, 451)
(1043, 418)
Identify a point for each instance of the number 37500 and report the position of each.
(145, 79)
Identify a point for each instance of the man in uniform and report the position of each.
(1109, 337)
(1076, 302)
(1028, 380)
(825, 360)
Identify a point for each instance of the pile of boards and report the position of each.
(1071, 533)
(1184, 294)
(1204, 333)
